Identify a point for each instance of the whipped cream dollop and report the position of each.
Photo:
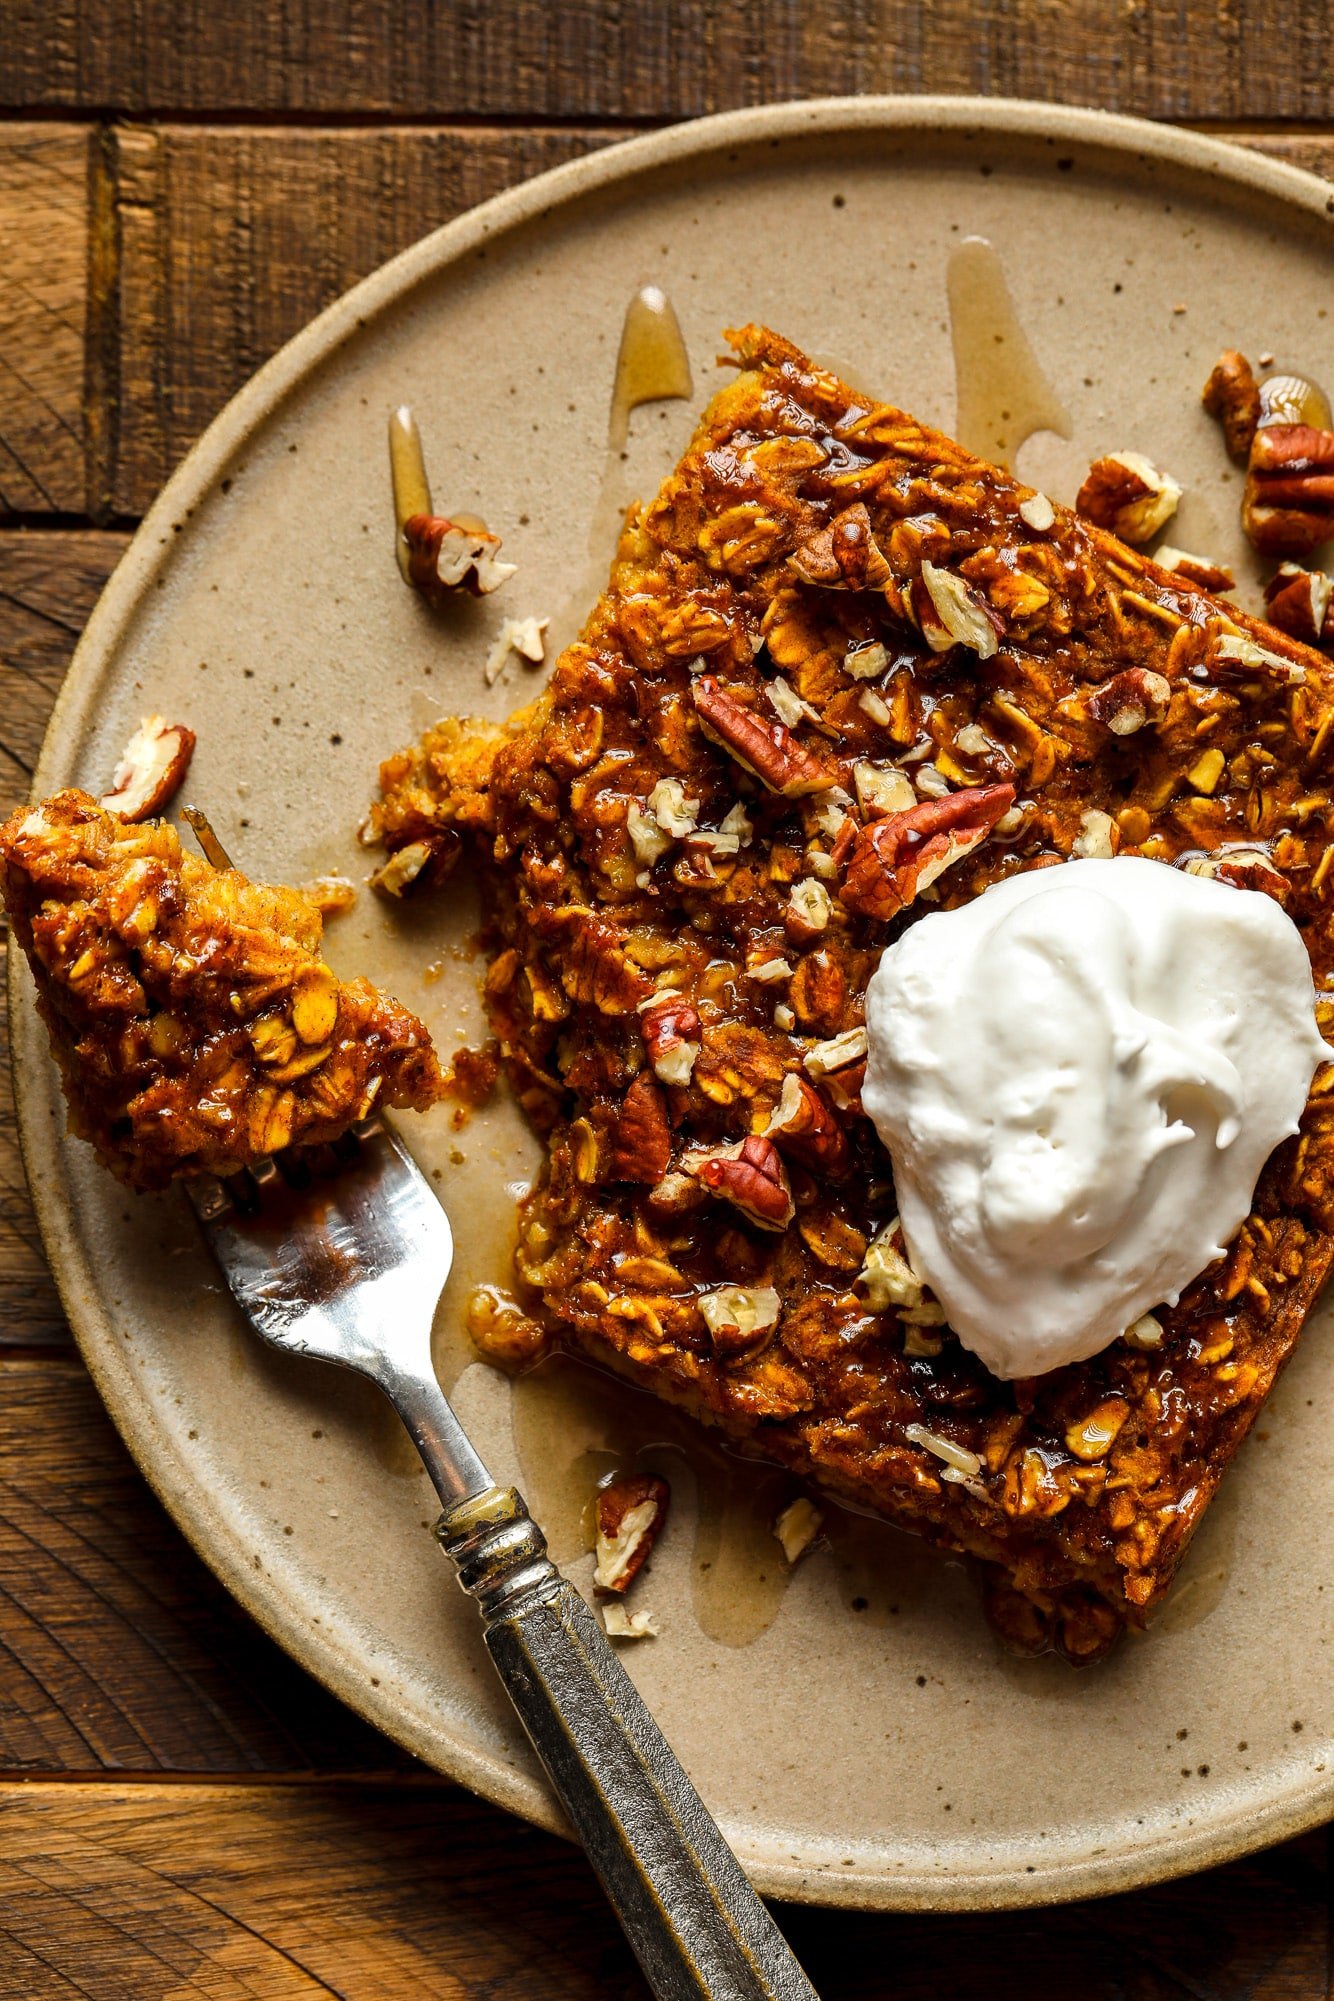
(1079, 1076)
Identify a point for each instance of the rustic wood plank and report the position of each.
(120, 1651)
(43, 260)
(375, 1895)
(231, 240)
(1250, 59)
(49, 582)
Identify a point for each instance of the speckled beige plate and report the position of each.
(889, 1755)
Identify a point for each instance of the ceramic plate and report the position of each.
(859, 1733)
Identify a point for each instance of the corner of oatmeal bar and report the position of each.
(196, 1026)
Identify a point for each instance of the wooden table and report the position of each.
(183, 183)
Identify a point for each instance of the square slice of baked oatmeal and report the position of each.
(845, 672)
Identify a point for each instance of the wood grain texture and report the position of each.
(118, 1650)
(231, 240)
(49, 583)
(600, 59)
(43, 274)
(164, 1893)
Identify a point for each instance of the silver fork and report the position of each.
(348, 1267)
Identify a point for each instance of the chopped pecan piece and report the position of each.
(670, 1027)
(1128, 495)
(892, 862)
(1232, 394)
(418, 865)
(1129, 700)
(768, 750)
(950, 612)
(1245, 868)
(151, 770)
(641, 1147)
(631, 1515)
(1297, 601)
(844, 556)
(445, 557)
(750, 1175)
(798, 1528)
(802, 1120)
(740, 1319)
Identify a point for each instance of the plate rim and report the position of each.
(327, 1658)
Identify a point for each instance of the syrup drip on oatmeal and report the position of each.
(652, 365)
(407, 469)
(1002, 395)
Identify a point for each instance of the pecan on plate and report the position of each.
(445, 557)
(844, 556)
(151, 770)
(802, 1120)
(1297, 602)
(890, 863)
(750, 1175)
(641, 1143)
(1129, 700)
(1128, 495)
(768, 750)
(1288, 505)
(631, 1515)
(1232, 394)
(1201, 571)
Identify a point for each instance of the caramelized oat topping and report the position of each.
(196, 1026)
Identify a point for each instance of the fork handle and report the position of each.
(698, 1928)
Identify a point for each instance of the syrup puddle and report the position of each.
(1002, 395)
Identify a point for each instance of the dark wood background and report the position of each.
(183, 183)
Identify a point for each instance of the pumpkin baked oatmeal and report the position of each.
(845, 672)
(196, 1026)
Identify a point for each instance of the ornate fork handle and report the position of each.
(686, 1905)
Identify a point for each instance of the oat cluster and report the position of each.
(196, 1026)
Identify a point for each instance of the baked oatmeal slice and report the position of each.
(843, 672)
(196, 1026)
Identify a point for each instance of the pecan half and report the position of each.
(890, 863)
(803, 1121)
(445, 557)
(631, 1515)
(1288, 506)
(845, 556)
(768, 750)
(1129, 700)
(670, 1027)
(641, 1145)
(151, 770)
(1128, 495)
(1297, 601)
(1232, 394)
(748, 1174)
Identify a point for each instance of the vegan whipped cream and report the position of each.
(1079, 1076)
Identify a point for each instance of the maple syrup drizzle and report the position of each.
(407, 468)
(652, 365)
(1002, 395)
